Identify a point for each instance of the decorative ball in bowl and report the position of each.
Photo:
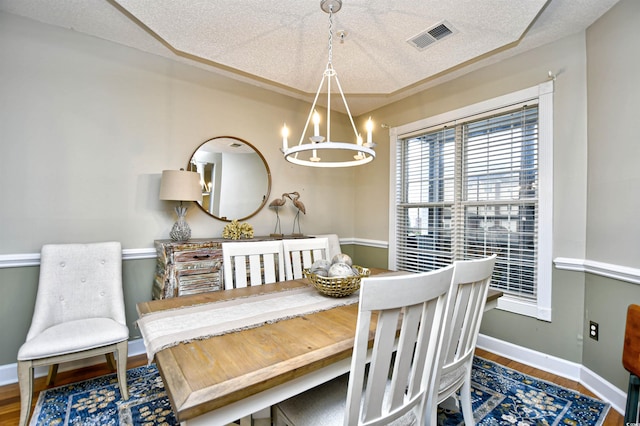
(336, 278)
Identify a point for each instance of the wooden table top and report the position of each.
(204, 375)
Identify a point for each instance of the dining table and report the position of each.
(221, 367)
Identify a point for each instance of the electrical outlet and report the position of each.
(593, 330)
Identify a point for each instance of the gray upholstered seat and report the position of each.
(79, 313)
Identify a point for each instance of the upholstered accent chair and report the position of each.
(79, 313)
(631, 362)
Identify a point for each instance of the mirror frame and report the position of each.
(266, 166)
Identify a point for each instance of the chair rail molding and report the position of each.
(365, 242)
(22, 260)
(609, 270)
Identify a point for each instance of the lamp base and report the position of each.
(180, 230)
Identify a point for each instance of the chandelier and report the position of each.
(336, 154)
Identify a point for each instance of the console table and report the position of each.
(192, 267)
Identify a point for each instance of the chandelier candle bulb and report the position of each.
(369, 127)
(316, 124)
(285, 135)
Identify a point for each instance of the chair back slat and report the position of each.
(410, 310)
(269, 269)
(467, 299)
(300, 254)
(252, 263)
(468, 296)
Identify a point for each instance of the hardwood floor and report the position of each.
(10, 394)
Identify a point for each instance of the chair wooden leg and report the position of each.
(53, 372)
(631, 410)
(111, 362)
(465, 403)
(25, 380)
(277, 417)
(122, 351)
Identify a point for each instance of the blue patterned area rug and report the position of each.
(501, 396)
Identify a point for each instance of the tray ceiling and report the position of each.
(283, 45)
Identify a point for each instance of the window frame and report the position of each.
(543, 94)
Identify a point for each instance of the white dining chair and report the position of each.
(79, 313)
(300, 254)
(467, 298)
(334, 243)
(396, 384)
(252, 263)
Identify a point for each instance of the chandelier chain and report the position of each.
(342, 153)
(330, 36)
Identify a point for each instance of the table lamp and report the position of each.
(180, 185)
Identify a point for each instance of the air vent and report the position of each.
(235, 145)
(432, 35)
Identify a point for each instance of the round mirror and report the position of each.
(234, 176)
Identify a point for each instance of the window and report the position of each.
(474, 182)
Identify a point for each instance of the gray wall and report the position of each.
(87, 126)
(613, 229)
(596, 146)
(563, 336)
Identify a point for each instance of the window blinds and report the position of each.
(469, 190)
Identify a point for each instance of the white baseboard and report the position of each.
(558, 366)
(9, 372)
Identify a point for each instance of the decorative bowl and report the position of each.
(337, 286)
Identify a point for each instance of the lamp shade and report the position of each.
(180, 185)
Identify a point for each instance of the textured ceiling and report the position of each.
(283, 45)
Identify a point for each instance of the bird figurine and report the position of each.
(276, 204)
(297, 202)
(301, 208)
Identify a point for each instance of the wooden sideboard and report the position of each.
(190, 267)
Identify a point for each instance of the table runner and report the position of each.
(164, 329)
